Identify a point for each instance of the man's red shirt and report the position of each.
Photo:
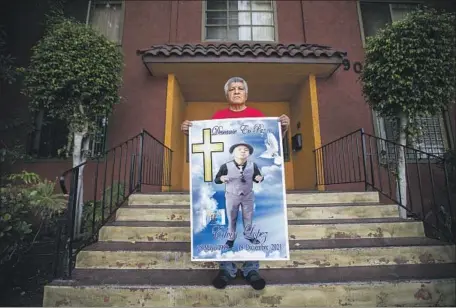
(248, 112)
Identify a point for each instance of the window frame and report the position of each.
(204, 28)
(389, 2)
(92, 3)
(409, 156)
(378, 121)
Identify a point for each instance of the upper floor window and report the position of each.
(107, 18)
(229, 20)
(376, 15)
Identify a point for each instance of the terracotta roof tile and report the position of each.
(241, 50)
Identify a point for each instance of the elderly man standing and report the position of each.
(236, 92)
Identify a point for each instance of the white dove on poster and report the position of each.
(272, 149)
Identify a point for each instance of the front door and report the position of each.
(204, 111)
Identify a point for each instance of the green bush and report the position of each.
(74, 74)
(410, 67)
(24, 200)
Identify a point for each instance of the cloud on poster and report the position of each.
(203, 199)
(272, 183)
(239, 255)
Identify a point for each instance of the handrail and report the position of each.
(159, 142)
(360, 130)
(404, 146)
(356, 158)
(338, 139)
(62, 177)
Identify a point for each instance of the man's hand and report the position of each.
(185, 126)
(285, 123)
(258, 178)
(224, 179)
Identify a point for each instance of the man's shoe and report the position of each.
(221, 280)
(230, 243)
(255, 280)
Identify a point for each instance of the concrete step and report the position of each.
(386, 285)
(177, 256)
(292, 198)
(179, 231)
(301, 212)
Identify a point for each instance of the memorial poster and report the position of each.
(237, 190)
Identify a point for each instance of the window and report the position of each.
(374, 16)
(97, 145)
(50, 137)
(431, 140)
(245, 20)
(107, 18)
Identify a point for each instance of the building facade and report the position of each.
(293, 54)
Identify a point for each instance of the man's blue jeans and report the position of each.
(247, 267)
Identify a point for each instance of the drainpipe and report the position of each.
(88, 12)
(303, 23)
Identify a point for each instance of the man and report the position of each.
(238, 176)
(236, 91)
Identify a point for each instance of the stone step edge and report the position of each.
(292, 249)
(147, 223)
(71, 283)
(178, 277)
(304, 192)
(167, 193)
(293, 244)
(408, 293)
(306, 258)
(334, 205)
(369, 197)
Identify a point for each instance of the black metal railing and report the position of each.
(106, 181)
(364, 161)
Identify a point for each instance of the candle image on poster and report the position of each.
(237, 190)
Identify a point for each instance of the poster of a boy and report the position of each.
(238, 176)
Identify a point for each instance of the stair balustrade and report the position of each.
(99, 186)
(359, 160)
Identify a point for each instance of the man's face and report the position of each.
(236, 93)
(241, 152)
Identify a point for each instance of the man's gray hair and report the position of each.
(236, 79)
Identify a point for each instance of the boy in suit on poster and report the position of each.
(238, 176)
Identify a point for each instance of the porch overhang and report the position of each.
(273, 71)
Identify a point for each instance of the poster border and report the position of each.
(284, 191)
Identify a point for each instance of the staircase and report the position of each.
(347, 249)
